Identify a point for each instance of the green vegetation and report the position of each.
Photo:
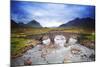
(87, 40)
(20, 36)
(17, 44)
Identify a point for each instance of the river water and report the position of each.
(72, 53)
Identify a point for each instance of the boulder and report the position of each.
(46, 40)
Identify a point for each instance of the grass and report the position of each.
(17, 44)
(91, 37)
(19, 36)
(87, 40)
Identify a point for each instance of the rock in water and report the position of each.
(46, 40)
(78, 53)
(28, 62)
(72, 41)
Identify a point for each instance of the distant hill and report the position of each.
(14, 24)
(21, 24)
(32, 23)
(87, 23)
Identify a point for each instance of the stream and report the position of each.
(72, 53)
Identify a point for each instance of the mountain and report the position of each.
(21, 24)
(17, 25)
(14, 24)
(33, 23)
(87, 23)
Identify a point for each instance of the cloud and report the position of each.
(49, 14)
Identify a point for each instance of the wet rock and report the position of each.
(72, 41)
(46, 40)
(28, 62)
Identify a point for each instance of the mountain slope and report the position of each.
(86, 23)
(14, 24)
(33, 23)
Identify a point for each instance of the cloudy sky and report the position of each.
(49, 14)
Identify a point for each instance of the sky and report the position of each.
(49, 14)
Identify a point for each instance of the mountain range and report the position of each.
(32, 23)
(87, 23)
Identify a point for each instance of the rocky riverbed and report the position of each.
(47, 53)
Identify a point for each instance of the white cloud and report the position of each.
(50, 14)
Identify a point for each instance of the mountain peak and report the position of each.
(34, 23)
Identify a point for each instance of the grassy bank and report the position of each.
(20, 37)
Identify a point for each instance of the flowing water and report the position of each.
(74, 52)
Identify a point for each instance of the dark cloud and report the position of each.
(49, 14)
